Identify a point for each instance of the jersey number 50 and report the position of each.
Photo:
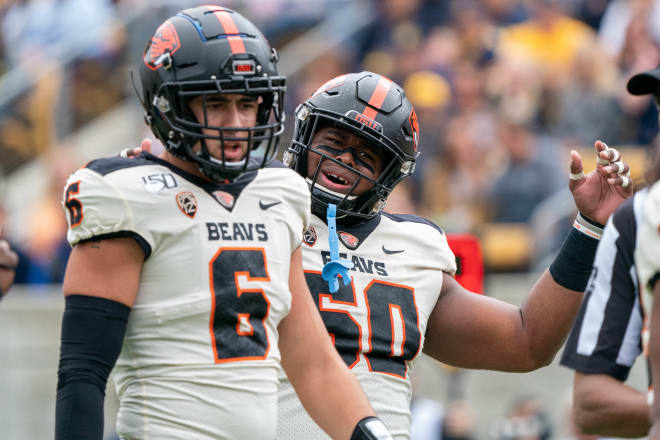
(393, 323)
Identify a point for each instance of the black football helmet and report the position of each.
(373, 108)
(205, 51)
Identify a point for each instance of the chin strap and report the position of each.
(370, 428)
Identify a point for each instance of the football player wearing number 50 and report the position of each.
(355, 138)
(186, 275)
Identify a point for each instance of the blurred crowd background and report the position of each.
(503, 89)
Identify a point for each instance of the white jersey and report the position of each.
(200, 358)
(378, 321)
(647, 255)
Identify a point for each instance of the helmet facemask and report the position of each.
(349, 204)
(186, 130)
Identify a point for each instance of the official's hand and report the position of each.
(145, 146)
(8, 263)
(600, 192)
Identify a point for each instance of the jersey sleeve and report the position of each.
(434, 245)
(606, 335)
(444, 255)
(97, 207)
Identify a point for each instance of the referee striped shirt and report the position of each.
(606, 335)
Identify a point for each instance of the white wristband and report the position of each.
(587, 228)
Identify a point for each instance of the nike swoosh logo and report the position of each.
(389, 252)
(265, 206)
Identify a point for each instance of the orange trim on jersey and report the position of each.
(239, 292)
(230, 28)
(377, 98)
(346, 312)
(419, 344)
(69, 199)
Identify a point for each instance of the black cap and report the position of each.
(645, 82)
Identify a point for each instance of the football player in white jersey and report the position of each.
(647, 260)
(355, 138)
(185, 275)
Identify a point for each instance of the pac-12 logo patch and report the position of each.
(309, 236)
(187, 203)
(164, 41)
(349, 240)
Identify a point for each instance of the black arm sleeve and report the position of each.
(92, 335)
(370, 428)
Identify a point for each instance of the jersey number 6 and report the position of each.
(72, 204)
(238, 316)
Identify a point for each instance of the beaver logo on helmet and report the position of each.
(165, 40)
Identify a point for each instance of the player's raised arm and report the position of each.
(479, 332)
(326, 387)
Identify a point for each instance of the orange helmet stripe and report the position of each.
(377, 98)
(227, 22)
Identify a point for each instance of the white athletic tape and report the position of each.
(577, 176)
(124, 152)
(625, 181)
(617, 155)
(619, 166)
